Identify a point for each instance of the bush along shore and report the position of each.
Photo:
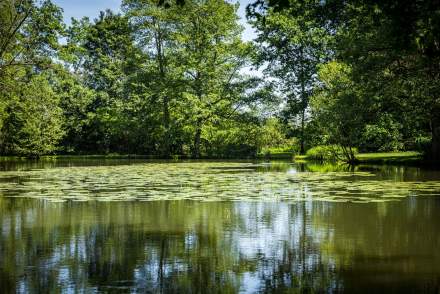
(400, 158)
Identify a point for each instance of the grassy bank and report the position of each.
(377, 158)
(408, 157)
(80, 156)
(390, 157)
(123, 156)
(281, 153)
(276, 155)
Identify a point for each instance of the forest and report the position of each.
(175, 78)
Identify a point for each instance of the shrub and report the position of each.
(33, 120)
(423, 144)
(383, 136)
(328, 153)
(289, 146)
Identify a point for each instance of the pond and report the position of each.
(217, 227)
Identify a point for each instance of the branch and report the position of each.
(7, 39)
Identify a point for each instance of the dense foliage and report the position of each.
(378, 86)
(170, 78)
(155, 79)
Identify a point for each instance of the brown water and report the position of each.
(217, 227)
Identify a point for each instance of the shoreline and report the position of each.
(410, 158)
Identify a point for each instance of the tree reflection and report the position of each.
(227, 247)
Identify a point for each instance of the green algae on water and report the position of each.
(207, 181)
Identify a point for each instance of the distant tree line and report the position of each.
(174, 77)
(160, 78)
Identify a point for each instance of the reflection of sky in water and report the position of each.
(296, 244)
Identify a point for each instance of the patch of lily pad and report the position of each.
(210, 181)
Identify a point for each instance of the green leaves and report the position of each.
(29, 33)
(291, 44)
(338, 106)
(385, 62)
(213, 55)
(193, 62)
(32, 123)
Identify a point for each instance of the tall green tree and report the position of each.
(395, 54)
(339, 108)
(29, 33)
(291, 44)
(100, 54)
(33, 125)
(212, 55)
(30, 116)
(155, 32)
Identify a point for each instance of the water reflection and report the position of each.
(227, 247)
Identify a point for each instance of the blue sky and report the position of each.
(91, 8)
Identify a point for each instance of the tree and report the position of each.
(395, 54)
(212, 57)
(29, 33)
(75, 99)
(155, 27)
(339, 108)
(291, 44)
(392, 50)
(33, 123)
(101, 55)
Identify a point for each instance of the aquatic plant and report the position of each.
(208, 181)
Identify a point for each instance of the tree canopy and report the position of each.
(378, 85)
(175, 77)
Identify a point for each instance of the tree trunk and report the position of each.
(166, 124)
(161, 268)
(302, 148)
(165, 101)
(435, 146)
(353, 159)
(303, 103)
(197, 140)
(349, 154)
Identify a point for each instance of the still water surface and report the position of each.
(217, 227)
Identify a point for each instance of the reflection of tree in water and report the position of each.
(392, 246)
(155, 246)
(296, 262)
(185, 246)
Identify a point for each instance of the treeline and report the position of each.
(157, 79)
(174, 77)
(357, 73)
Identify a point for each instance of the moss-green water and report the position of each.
(209, 181)
(217, 227)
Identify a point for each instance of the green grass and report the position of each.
(300, 157)
(390, 157)
(276, 155)
(282, 152)
(383, 157)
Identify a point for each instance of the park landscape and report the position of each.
(212, 146)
